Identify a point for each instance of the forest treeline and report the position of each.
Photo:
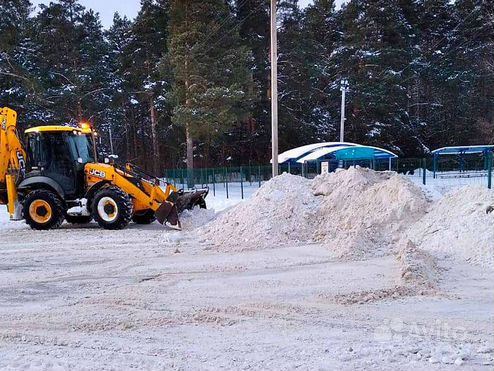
(190, 78)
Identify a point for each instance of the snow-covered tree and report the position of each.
(321, 37)
(375, 54)
(195, 75)
(73, 64)
(210, 75)
(19, 78)
(143, 80)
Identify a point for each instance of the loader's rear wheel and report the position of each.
(78, 219)
(144, 217)
(43, 209)
(112, 208)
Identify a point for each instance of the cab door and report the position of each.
(57, 161)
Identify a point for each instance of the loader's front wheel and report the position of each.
(144, 217)
(112, 208)
(43, 209)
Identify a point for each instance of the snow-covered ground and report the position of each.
(149, 298)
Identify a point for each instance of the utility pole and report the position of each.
(274, 90)
(344, 89)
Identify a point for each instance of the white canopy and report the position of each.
(320, 152)
(315, 151)
(295, 153)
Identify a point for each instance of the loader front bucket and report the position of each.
(167, 212)
(191, 199)
(178, 202)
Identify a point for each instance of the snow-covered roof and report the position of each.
(318, 153)
(295, 153)
(315, 151)
(457, 150)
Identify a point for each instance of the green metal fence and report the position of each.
(239, 181)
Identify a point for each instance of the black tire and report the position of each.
(115, 208)
(144, 217)
(43, 209)
(78, 219)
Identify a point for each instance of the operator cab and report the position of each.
(60, 153)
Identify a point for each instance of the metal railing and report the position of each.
(241, 181)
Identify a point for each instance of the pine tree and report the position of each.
(145, 49)
(19, 85)
(253, 19)
(56, 35)
(475, 57)
(74, 62)
(375, 55)
(119, 37)
(420, 71)
(431, 89)
(295, 121)
(322, 35)
(210, 78)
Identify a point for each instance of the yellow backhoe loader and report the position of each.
(56, 176)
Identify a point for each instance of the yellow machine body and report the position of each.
(12, 159)
(150, 197)
(49, 192)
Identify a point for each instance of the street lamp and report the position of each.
(345, 87)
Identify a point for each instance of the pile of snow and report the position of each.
(7, 224)
(418, 276)
(281, 211)
(360, 213)
(356, 212)
(192, 219)
(363, 212)
(459, 225)
(418, 268)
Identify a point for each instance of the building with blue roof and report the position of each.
(336, 152)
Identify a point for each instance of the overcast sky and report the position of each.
(106, 8)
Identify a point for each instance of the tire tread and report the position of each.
(58, 209)
(125, 206)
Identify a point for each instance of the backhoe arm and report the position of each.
(12, 159)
